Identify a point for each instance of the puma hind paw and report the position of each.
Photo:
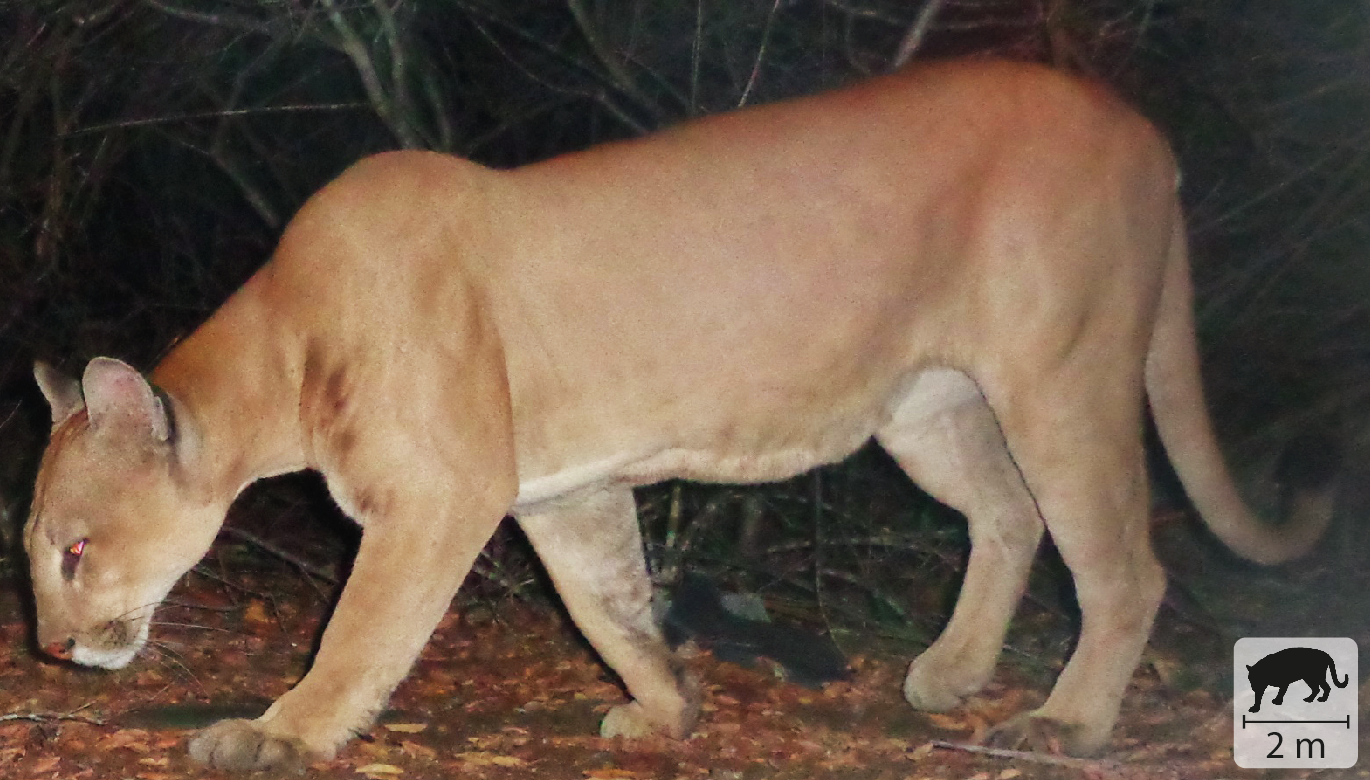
(633, 721)
(1043, 734)
(240, 745)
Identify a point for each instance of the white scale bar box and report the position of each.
(1294, 703)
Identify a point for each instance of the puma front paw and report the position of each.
(931, 686)
(241, 745)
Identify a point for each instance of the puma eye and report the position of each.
(72, 557)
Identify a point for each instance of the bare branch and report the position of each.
(696, 49)
(760, 55)
(294, 560)
(399, 69)
(381, 98)
(234, 21)
(618, 75)
(194, 116)
(913, 39)
(609, 105)
(1097, 764)
(864, 13)
(440, 110)
(45, 717)
(250, 192)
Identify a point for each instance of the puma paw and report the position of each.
(240, 745)
(1042, 734)
(631, 721)
(628, 720)
(928, 695)
(931, 688)
(674, 717)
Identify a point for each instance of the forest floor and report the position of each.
(509, 690)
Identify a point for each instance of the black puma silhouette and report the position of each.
(1283, 667)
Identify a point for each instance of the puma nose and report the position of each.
(60, 650)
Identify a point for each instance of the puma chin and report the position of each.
(980, 265)
(125, 638)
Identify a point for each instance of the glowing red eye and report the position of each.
(71, 557)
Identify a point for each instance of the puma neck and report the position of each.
(235, 388)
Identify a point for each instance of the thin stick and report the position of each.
(293, 560)
(913, 39)
(1027, 755)
(45, 717)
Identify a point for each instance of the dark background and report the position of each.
(152, 150)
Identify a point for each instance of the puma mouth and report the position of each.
(104, 659)
(119, 642)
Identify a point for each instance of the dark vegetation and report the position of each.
(151, 151)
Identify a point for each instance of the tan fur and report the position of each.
(963, 260)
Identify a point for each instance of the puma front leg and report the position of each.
(411, 561)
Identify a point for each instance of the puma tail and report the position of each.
(1175, 390)
(1332, 672)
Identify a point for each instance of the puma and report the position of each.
(980, 264)
(1281, 668)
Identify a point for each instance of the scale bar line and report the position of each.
(1344, 721)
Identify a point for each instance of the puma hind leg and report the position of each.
(592, 549)
(1082, 458)
(945, 437)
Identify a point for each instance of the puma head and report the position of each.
(114, 522)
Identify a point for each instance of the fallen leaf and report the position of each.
(483, 758)
(613, 773)
(947, 722)
(256, 612)
(415, 750)
(406, 728)
(921, 752)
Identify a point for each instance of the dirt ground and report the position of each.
(510, 691)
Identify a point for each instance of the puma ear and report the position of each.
(116, 393)
(63, 392)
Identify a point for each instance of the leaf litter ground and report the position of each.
(511, 691)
